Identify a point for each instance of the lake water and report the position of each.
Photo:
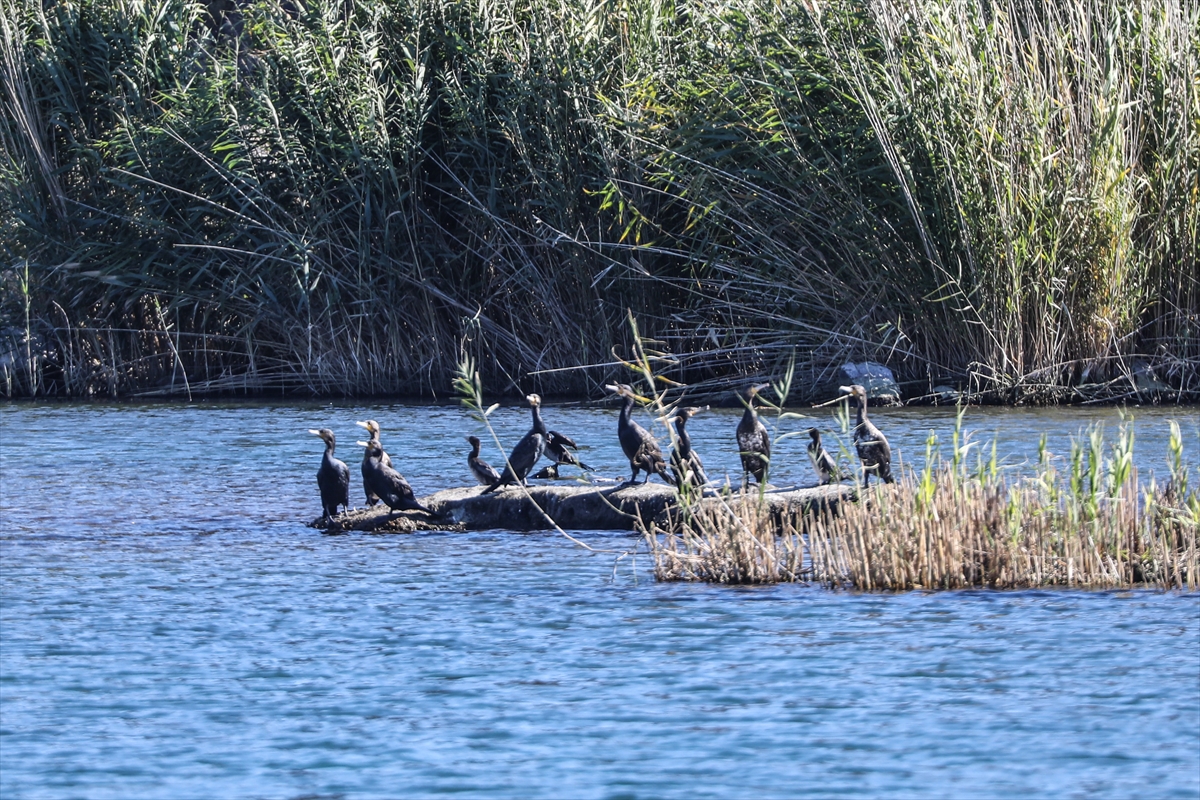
(170, 628)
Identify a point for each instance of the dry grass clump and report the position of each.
(1006, 535)
(735, 539)
(1093, 525)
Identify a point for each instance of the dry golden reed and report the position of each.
(1092, 525)
(733, 539)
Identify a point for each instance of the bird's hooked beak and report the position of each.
(363, 425)
(753, 391)
(625, 391)
(363, 444)
(315, 432)
(846, 389)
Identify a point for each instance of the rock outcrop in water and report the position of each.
(574, 507)
(878, 380)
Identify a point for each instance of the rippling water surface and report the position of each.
(169, 628)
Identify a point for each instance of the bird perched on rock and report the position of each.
(527, 451)
(824, 464)
(372, 428)
(333, 477)
(484, 472)
(637, 443)
(872, 446)
(386, 483)
(685, 462)
(559, 447)
(754, 443)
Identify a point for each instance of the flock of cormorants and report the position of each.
(381, 481)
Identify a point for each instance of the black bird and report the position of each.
(872, 446)
(372, 428)
(640, 447)
(527, 451)
(685, 462)
(559, 446)
(754, 444)
(333, 477)
(388, 484)
(824, 464)
(484, 472)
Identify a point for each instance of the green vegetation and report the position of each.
(341, 198)
(949, 526)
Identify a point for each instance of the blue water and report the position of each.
(169, 628)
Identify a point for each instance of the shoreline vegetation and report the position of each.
(340, 199)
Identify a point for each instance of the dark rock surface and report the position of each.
(380, 520)
(573, 507)
(878, 380)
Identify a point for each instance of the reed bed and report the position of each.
(733, 540)
(338, 197)
(1092, 525)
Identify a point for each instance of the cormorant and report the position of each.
(559, 446)
(824, 464)
(685, 462)
(872, 446)
(333, 477)
(640, 447)
(527, 451)
(386, 483)
(754, 443)
(372, 428)
(484, 472)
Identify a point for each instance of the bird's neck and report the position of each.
(862, 410)
(681, 433)
(538, 425)
(751, 416)
(626, 410)
(475, 450)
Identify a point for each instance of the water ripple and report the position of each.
(169, 629)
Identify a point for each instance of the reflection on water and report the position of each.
(169, 628)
